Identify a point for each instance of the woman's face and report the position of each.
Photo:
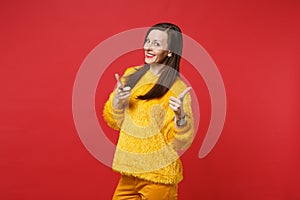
(156, 47)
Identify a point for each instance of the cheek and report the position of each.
(162, 55)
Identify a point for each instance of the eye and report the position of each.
(147, 41)
(156, 44)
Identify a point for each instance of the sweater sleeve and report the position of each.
(114, 117)
(182, 137)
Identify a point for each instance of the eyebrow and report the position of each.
(154, 39)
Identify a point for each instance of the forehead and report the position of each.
(158, 35)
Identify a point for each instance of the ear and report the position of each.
(169, 54)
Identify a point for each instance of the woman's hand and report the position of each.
(122, 94)
(176, 104)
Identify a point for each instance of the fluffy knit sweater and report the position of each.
(149, 141)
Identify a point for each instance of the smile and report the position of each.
(149, 55)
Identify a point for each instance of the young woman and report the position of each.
(151, 107)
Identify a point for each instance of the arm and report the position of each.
(181, 126)
(113, 117)
(113, 111)
(183, 134)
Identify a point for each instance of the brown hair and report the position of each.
(170, 71)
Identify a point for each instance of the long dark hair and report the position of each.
(170, 71)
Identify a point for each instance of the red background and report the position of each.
(254, 44)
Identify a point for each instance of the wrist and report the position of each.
(180, 116)
(180, 120)
(117, 104)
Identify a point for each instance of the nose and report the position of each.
(147, 46)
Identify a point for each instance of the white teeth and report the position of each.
(149, 54)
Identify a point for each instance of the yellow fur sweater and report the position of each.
(149, 141)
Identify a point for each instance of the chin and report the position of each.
(149, 62)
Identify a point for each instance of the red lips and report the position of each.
(149, 55)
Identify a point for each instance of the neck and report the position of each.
(156, 69)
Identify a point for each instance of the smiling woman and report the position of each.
(151, 107)
(155, 50)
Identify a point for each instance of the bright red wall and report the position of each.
(254, 44)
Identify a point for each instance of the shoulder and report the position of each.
(131, 70)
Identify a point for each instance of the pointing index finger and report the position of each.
(119, 83)
(182, 95)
